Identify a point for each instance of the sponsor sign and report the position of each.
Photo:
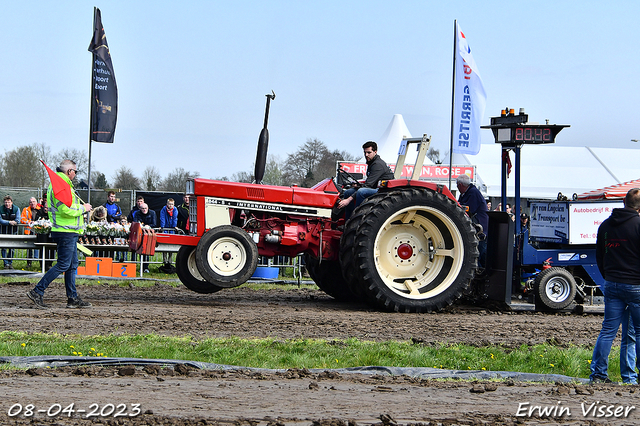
(427, 173)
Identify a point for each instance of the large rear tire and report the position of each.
(415, 251)
(188, 272)
(328, 277)
(555, 289)
(226, 256)
(347, 244)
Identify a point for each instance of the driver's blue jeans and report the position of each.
(620, 300)
(67, 263)
(361, 194)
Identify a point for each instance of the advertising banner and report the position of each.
(549, 221)
(569, 222)
(469, 99)
(427, 173)
(585, 218)
(104, 91)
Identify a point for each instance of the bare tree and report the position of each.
(43, 152)
(328, 163)
(311, 163)
(246, 177)
(78, 156)
(300, 166)
(125, 179)
(176, 181)
(151, 178)
(18, 166)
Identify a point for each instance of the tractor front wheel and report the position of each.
(226, 256)
(188, 272)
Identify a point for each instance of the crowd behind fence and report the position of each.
(26, 248)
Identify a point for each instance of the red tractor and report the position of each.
(409, 248)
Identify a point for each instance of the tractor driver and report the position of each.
(377, 170)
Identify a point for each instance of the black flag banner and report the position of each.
(104, 91)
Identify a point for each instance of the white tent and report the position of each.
(547, 170)
(389, 142)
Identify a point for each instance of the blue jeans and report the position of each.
(628, 350)
(361, 194)
(67, 263)
(619, 300)
(7, 260)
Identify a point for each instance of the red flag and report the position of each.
(61, 189)
(506, 159)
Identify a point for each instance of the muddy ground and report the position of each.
(185, 396)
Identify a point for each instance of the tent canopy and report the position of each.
(613, 192)
(389, 142)
(546, 170)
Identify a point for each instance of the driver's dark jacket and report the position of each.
(377, 170)
(618, 247)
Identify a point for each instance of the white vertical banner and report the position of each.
(469, 99)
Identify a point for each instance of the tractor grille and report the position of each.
(255, 193)
(193, 215)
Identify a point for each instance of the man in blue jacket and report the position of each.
(168, 219)
(114, 213)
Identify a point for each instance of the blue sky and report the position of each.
(192, 76)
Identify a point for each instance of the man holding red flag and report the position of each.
(67, 224)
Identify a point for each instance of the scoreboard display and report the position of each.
(532, 134)
(511, 129)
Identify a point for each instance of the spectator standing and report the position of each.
(618, 257)
(9, 219)
(183, 214)
(67, 224)
(139, 202)
(471, 197)
(114, 213)
(145, 217)
(168, 219)
(524, 221)
(28, 216)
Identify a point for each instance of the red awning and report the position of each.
(613, 192)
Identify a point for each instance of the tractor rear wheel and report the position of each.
(415, 251)
(328, 277)
(226, 256)
(555, 289)
(347, 243)
(188, 272)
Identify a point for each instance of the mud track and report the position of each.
(187, 396)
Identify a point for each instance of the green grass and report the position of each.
(310, 353)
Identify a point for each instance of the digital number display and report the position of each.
(533, 134)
